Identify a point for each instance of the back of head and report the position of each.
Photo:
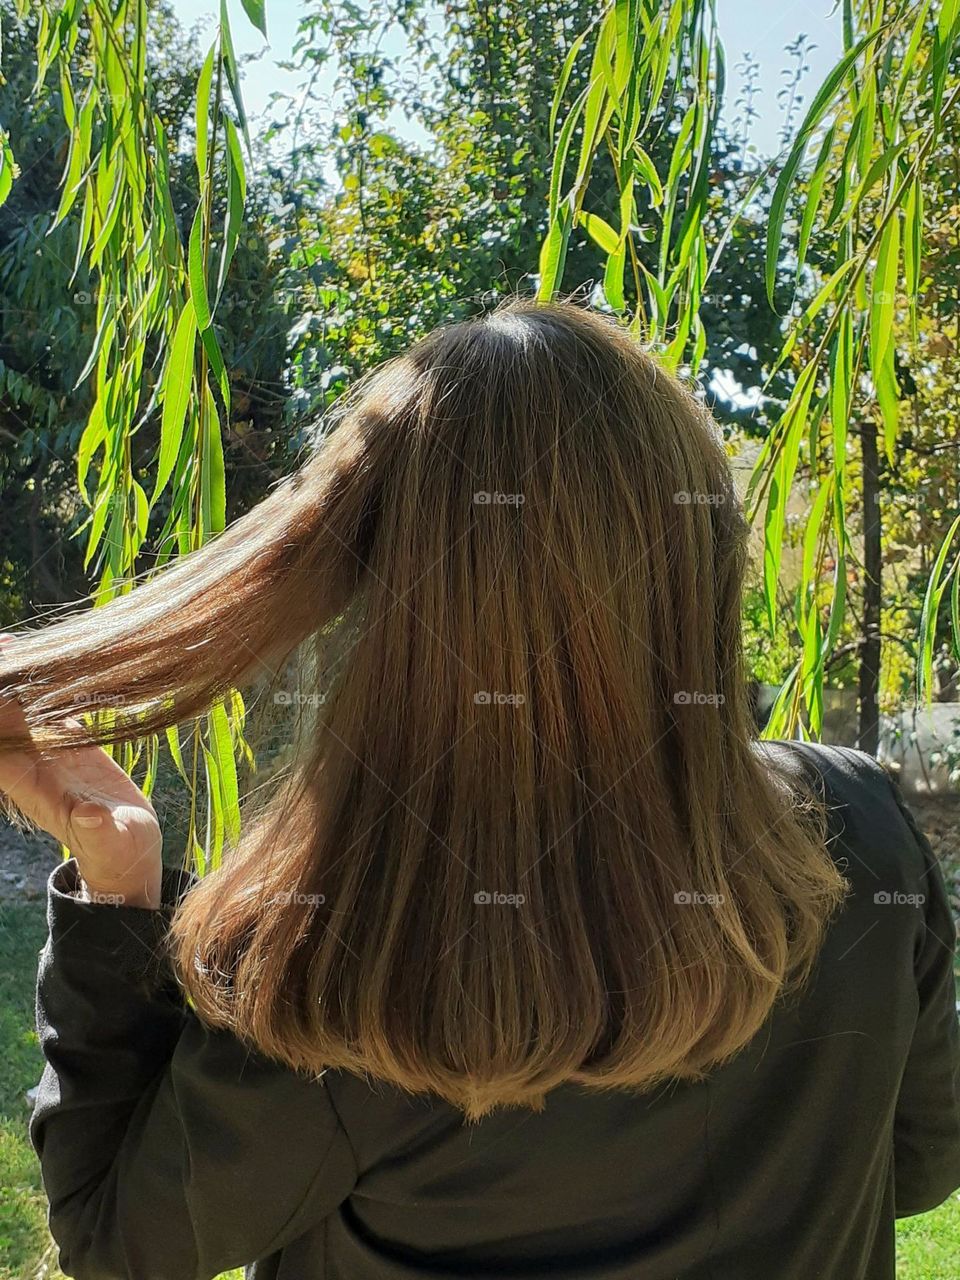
(529, 840)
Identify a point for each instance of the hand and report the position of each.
(87, 802)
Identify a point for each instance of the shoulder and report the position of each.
(843, 772)
(871, 827)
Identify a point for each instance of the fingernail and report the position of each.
(88, 820)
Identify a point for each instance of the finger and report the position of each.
(88, 814)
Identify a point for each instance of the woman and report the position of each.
(537, 963)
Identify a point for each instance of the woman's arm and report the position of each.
(926, 1135)
(167, 1150)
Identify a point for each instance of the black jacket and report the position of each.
(171, 1152)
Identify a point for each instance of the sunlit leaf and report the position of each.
(255, 11)
(203, 111)
(931, 607)
(221, 745)
(601, 232)
(198, 269)
(177, 382)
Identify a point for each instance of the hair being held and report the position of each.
(517, 558)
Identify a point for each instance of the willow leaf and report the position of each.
(782, 481)
(944, 44)
(177, 382)
(221, 744)
(841, 374)
(600, 232)
(812, 203)
(883, 295)
(613, 278)
(232, 73)
(818, 108)
(236, 198)
(913, 250)
(255, 11)
(198, 272)
(212, 478)
(928, 616)
(646, 169)
(213, 841)
(90, 441)
(553, 253)
(561, 153)
(203, 111)
(564, 79)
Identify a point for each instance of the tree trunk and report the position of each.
(868, 738)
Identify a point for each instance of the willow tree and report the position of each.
(859, 154)
(156, 352)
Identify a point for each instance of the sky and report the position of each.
(746, 26)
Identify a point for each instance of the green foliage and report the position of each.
(766, 658)
(411, 236)
(48, 328)
(642, 51)
(414, 235)
(854, 179)
(882, 108)
(153, 302)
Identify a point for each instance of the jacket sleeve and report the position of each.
(927, 1119)
(167, 1149)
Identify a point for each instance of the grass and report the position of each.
(927, 1246)
(26, 1250)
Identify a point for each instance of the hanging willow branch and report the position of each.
(646, 53)
(869, 132)
(156, 306)
(859, 155)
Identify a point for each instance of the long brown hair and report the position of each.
(529, 839)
